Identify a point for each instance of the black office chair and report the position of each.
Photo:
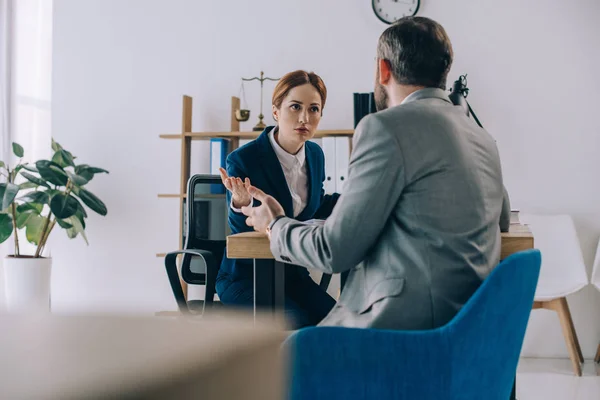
(205, 231)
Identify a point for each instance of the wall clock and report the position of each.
(389, 11)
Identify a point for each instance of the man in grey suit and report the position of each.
(418, 226)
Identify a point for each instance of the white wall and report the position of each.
(120, 69)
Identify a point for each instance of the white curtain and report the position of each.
(6, 21)
(30, 76)
(25, 81)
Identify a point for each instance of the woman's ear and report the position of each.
(275, 113)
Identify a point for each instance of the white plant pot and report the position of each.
(27, 284)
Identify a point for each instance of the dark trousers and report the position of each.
(306, 304)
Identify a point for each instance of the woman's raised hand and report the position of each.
(239, 189)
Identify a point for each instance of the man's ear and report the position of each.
(385, 71)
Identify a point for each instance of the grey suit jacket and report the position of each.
(418, 223)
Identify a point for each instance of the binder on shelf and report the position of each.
(218, 156)
(364, 103)
(328, 145)
(372, 106)
(357, 108)
(342, 158)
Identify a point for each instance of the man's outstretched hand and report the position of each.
(260, 217)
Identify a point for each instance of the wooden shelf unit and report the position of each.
(234, 135)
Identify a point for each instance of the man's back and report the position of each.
(442, 236)
(418, 225)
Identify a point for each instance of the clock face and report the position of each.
(390, 11)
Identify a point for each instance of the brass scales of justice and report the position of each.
(244, 114)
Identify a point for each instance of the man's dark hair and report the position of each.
(418, 50)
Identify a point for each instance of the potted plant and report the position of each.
(37, 197)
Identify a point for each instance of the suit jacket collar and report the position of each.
(274, 174)
(313, 175)
(286, 159)
(427, 93)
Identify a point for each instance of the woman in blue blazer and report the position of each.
(285, 164)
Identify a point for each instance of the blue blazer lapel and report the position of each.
(274, 173)
(314, 170)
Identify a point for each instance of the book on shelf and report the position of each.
(218, 156)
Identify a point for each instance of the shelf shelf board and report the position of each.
(249, 134)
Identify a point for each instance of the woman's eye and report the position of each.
(295, 107)
(315, 109)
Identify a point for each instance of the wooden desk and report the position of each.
(256, 245)
(269, 278)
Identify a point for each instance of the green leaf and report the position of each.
(36, 197)
(34, 228)
(2, 165)
(35, 179)
(56, 146)
(35, 207)
(8, 192)
(27, 185)
(93, 202)
(63, 158)
(24, 217)
(76, 179)
(88, 172)
(18, 150)
(84, 173)
(81, 217)
(63, 223)
(6, 227)
(95, 170)
(53, 192)
(80, 209)
(63, 206)
(52, 172)
(30, 168)
(77, 228)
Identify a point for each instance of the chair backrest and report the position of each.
(596, 269)
(563, 268)
(205, 224)
(486, 336)
(472, 357)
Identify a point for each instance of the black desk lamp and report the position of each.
(458, 96)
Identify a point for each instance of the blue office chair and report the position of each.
(473, 357)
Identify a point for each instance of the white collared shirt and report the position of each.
(295, 172)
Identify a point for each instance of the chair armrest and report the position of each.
(342, 363)
(173, 275)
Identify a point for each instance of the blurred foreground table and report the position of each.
(221, 357)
